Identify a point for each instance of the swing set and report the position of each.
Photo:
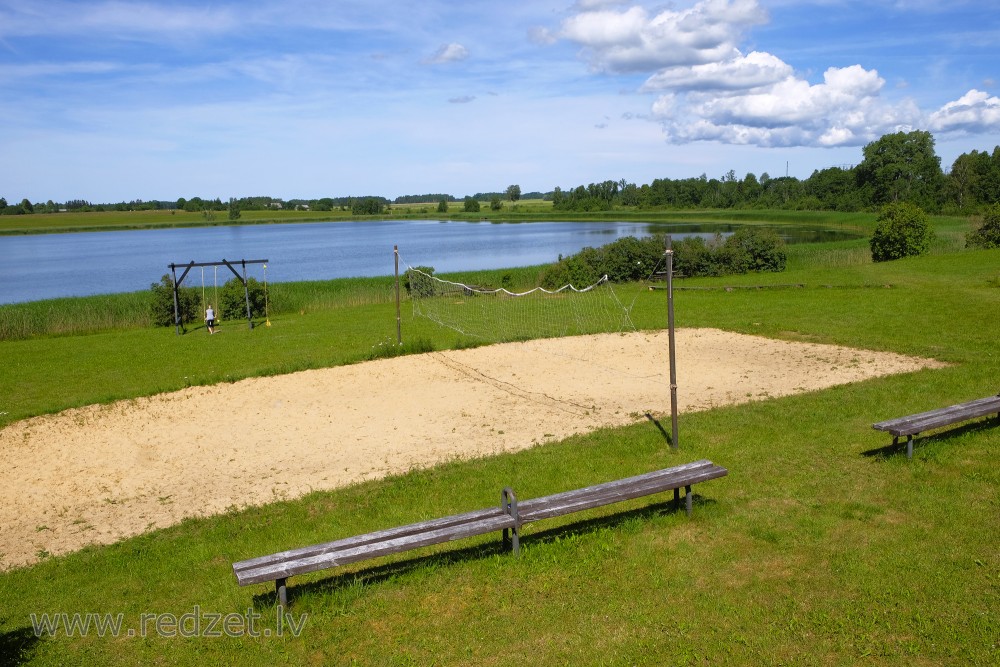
(242, 278)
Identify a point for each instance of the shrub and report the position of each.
(756, 250)
(988, 234)
(471, 205)
(901, 231)
(233, 300)
(418, 282)
(161, 306)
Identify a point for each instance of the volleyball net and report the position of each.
(500, 315)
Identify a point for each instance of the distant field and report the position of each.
(522, 211)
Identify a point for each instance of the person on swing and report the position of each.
(210, 319)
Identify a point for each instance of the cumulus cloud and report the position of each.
(708, 90)
(448, 53)
(737, 73)
(633, 40)
(974, 112)
(844, 110)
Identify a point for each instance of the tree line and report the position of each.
(900, 167)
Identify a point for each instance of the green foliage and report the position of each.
(513, 193)
(233, 299)
(234, 209)
(161, 305)
(986, 235)
(902, 167)
(496, 203)
(901, 230)
(443, 206)
(756, 250)
(417, 281)
(750, 249)
(366, 206)
(471, 205)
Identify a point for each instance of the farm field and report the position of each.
(822, 546)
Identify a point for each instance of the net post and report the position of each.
(399, 329)
(669, 253)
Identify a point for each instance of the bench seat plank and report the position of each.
(925, 421)
(617, 491)
(350, 551)
(367, 538)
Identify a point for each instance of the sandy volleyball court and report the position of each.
(102, 473)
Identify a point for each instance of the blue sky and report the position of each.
(115, 100)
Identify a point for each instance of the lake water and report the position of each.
(47, 266)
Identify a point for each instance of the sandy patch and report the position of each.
(102, 473)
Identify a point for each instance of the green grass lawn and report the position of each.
(821, 547)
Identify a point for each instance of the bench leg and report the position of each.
(687, 499)
(677, 499)
(909, 446)
(508, 503)
(281, 591)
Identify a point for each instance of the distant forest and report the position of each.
(900, 167)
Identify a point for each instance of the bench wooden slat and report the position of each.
(367, 538)
(599, 495)
(358, 552)
(925, 421)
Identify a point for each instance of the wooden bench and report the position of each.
(507, 518)
(925, 421)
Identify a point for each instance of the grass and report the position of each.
(523, 211)
(822, 546)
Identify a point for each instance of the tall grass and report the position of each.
(75, 316)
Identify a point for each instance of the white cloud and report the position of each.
(974, 112)
(448, 53)
(740, 72)
(707, 90)
(634, 40)
(844, 110)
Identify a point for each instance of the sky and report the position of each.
(112, 100)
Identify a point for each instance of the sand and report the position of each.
(102, 473)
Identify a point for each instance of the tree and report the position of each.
(471, 205)
(234, 209)
(495, 203)
(902, 167)
(901, 231)
(443, 206)
(988, 234)
(26, 206)
(513, 193)
(161, 305)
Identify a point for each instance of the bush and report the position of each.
(233, 300)
(988, 234)
(161, 306)
(630, 259)
(756, 250)
(901, 231)
(471, 205)
(418, 282)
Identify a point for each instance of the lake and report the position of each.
(47, 266)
